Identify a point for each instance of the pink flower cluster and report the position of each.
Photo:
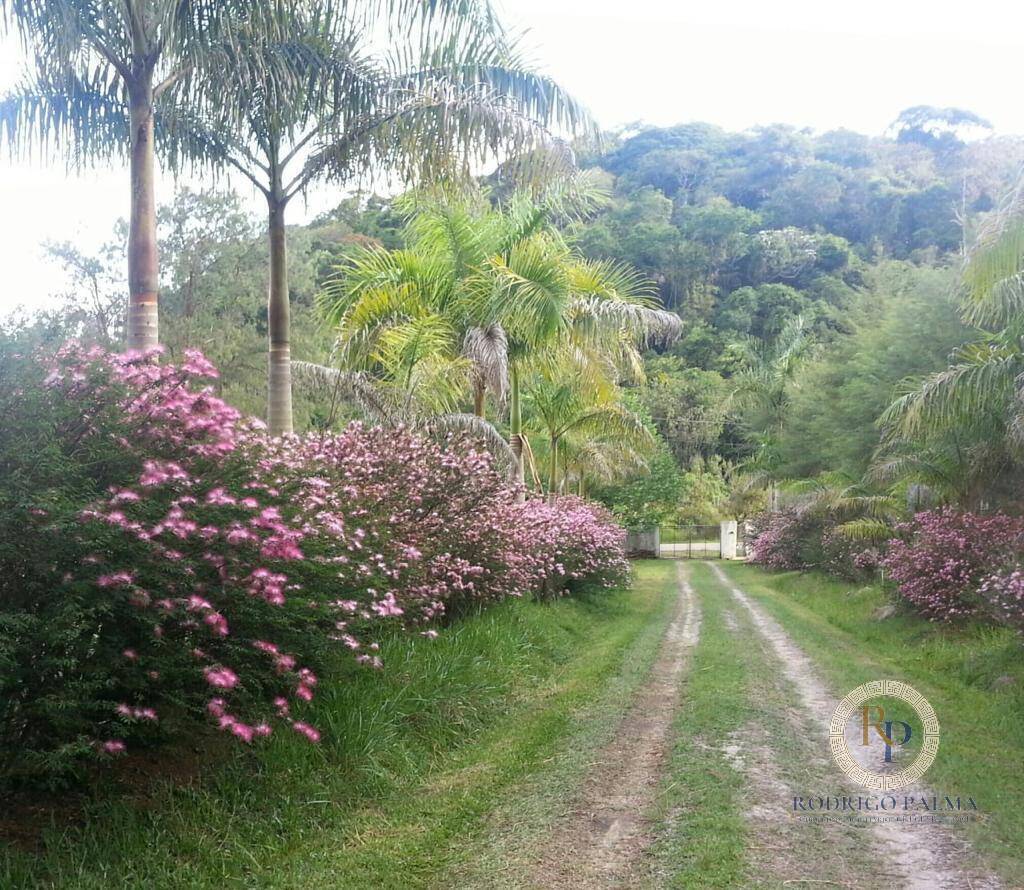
(569, 542)
(250, 560)
(867, 559)
(779, 543)
(1003, 596)
(946, 557)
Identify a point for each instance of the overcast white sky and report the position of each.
(737, 63)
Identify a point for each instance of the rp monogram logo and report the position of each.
(884, 729)
(861, 707)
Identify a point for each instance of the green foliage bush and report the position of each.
(649, 499)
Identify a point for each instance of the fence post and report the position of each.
(728, 532)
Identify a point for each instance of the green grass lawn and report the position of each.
(704, 836)
(414, 762)
(973, 677)
(450, 766)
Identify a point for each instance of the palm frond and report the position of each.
(369, 396)
(82, 115)
(531, 294)
(993, 277)
(866, 529)
(487, 349)
(478, 428)
(973, 392)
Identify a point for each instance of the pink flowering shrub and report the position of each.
(846, 557)
(781, 541)
(163, 560)
(1002, 597)
(562, 546)
(798, 540)
(945, 558)
(868, 560)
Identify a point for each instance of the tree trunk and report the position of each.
(143, 267)
(553, 473)
(516, 433)
(279, 374)
(479, 395)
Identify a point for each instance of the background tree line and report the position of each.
(816, 276)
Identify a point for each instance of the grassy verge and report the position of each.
(704, 835)
(727, 816)
(414, 759)
(973, 677)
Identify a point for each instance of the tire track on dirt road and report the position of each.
(602, 840)
(920, 856)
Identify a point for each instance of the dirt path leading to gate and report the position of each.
(602, 840)
(919, 856)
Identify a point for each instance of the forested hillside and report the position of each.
(815, 274)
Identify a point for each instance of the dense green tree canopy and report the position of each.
(817, 278)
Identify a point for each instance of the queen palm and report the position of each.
(558, 308)
(309, 98)
(446, 273)
(939, 466)
(565, 404)
(100, 71)
(860, 512)
(381, 296)
(511, 292)
(602, 458)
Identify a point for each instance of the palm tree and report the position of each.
(562, 406)
(307, 99)
(445, 275)
(939, 467)
(960, 429)
(979, 394)
(508, 290)
(859, 512)
(101, 69)
(599, 457)
(557, 304)
(382, 298)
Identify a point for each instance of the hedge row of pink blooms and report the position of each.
(951, 564)
(947, 564)
(247, 556)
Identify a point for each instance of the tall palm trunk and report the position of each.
(279, 372)
(553, 472)
(516, 432)
(479, 398)
(143, 268)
